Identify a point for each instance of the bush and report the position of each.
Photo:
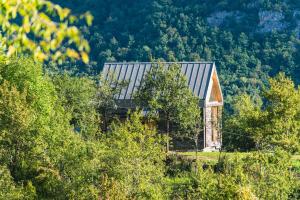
(255, 176)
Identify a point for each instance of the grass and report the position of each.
(213, 156)
(206, 156)
(296, 157)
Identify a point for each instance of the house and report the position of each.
(202, 79)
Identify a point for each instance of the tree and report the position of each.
(105, 100)
(165, 94)
(258, 175)
(38, 146)
(134, 159)
(281, 116)
(26, 100)
(273, 123)
(195, 126)
(237, 134)
(41, 28)
(9, 190)
(77, 95)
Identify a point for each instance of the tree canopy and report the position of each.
(41, 28)
(51, 144)
(226, 32)
(165, 94)
(274, 122)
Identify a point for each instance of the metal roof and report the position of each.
(198, 75)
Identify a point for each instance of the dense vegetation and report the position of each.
(60, 137)
(272, 121)
(247, 47)
(53, 147)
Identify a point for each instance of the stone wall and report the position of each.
(209, 124)
(208, 127)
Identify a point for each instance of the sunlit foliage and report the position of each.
(41, 28)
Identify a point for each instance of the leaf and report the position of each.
(40, 56)
(26, 24)
(11, 50)
(85, 57)
(48, 24)
(72, 53)
(89, 18)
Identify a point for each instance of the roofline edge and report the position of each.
(132, 62)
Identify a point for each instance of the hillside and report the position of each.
(69, 132)
(248, 40)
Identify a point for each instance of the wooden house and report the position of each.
(202, 79)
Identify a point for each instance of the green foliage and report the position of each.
(177, 165)
(165, 94)
(43, 154)
(256, 176)
(282, 115)
(43, 157)
(50, 146)
(77, 96)
(105, 101)
(276, 123)
(26, 102)
(134, 158)
(41, 28)
(9, 190)
(126, 30)
(236, 132)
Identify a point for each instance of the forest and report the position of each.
(60, 137)
(245, 39)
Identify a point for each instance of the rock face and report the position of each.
(296, 16)
(267, 20)
(218, 18)
(271, 21)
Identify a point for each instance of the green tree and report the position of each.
(274, 123)
(77, 96)
(165, 94)
(38, 146)
(9, 190)
(281, 115)
(41, 28)
(26, 102)
(237, 133)
(105, 99)
(134, 158)
(258, 175)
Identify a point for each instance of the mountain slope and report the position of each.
(248, 40)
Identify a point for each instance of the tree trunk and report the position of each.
(167, 133)
(196, 144)
(196, 137)
(105, 122)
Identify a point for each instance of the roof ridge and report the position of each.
(181, 62)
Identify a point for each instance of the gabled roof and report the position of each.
(198, 75)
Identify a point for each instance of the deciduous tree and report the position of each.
(134, 158)
(39, 148)
(77, 96)
(273, 123)
(166, 95)
(41, 28)
(105, 99)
